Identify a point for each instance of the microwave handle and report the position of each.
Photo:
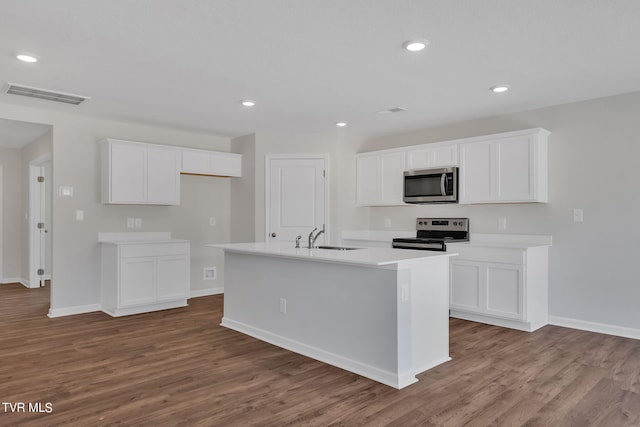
(442, 180)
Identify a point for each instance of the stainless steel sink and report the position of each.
(337, 248)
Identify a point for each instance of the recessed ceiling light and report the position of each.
(248, 103)
(341, 124)
(415, 45)
(26, 57)
(499, 88)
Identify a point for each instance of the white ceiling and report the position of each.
(310, 63)
(14, 134)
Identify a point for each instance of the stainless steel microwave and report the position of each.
(423, 186)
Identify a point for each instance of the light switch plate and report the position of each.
(65, 191)
(578, 215)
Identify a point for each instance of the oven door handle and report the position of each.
(442, 179)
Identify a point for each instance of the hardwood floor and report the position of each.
(179, 367)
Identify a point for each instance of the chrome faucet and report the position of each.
(298, 241)
(312, 238)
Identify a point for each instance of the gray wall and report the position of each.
(76, 252)
(594, 149)
(243, 190)
(341, 148)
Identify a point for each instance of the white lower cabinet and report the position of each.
(138, 277)
(500, 286)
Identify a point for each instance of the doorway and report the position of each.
(40, 212)
(296, 197)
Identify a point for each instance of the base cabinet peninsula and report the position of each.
(380, 313)
(143, 272)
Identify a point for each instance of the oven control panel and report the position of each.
(453, 224)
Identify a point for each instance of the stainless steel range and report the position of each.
(434, 234)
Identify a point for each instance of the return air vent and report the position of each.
(33, 92)
(392, 110)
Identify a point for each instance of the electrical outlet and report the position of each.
(138, 222)
(212, 221)
(404, 292)
(79, 215)
(578, 215)
(502, 223)
(131, 223)
(283, 306)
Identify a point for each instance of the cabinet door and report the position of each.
(225, 164)
(466, 286)
(163, 176)
(127, 173)
(418, 158)
(368, 180)
(476, 172)
(392, 175)
(195, 161)
(515, 169)
(432, 157)
(172, 278)
(446, 155)
(505, 291)
(137, 281)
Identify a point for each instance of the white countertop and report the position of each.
(365, 256)
(515, 241)
(136, 238)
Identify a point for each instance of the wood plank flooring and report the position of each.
(179, 367)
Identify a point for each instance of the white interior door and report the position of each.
(296, 198)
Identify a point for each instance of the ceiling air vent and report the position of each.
(34, 92)
(392, 110)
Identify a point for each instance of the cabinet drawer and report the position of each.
(153, 249)
(489, 254)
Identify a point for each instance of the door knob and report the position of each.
(273, 234)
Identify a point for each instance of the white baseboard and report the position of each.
(399, 380)
(70, 311)
(23, 282)
(206, 292)
(601, 328)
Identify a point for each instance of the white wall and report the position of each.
(341, 148)
(243, 190)
(76, 253)
(12, 214)
(593, 164)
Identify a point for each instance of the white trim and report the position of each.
(35, 168)
(70, 311)
(9, 280)
(601, 328)
(267, 186)
(520, 325)
(206, 292)
(146, 308)
(391, 379)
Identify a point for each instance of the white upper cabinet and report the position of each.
(380, 178)
(138, 173)
(203, 162)
(505, 168)
(432, 156)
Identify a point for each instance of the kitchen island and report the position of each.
(381, 313)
